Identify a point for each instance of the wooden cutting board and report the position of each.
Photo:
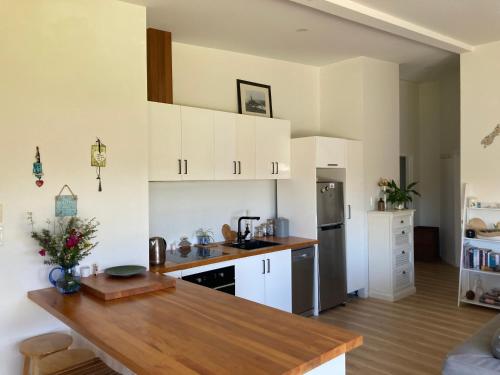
(109, 288)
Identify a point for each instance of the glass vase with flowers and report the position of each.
(69, 241)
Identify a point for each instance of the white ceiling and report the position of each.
(268, 28)
(471, 21)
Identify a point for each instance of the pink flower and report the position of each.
(72, 241)
(42, 252)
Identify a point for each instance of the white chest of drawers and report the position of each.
(390, 254)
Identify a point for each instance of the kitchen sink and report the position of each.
(252, 244)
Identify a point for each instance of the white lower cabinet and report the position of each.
(390, 250)
(266, 279)
(250, 279)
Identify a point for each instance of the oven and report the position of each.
(221, 279)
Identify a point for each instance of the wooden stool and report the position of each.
(60, 361)
(91, 367)
(35, 348)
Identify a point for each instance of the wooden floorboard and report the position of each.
(413, 335)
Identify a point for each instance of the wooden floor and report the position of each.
(413, 335)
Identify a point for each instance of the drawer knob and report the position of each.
(404, 272)
(402, 221)
(402, 232)
(403, 252)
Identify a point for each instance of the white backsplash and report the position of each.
(180, 208)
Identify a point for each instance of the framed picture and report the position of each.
(254, 99)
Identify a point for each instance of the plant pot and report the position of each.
(66, 282)
(399, 206)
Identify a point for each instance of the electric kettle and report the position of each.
(157, 250)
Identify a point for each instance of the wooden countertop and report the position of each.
(191, 329)
(230, 253)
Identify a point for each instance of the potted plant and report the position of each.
(400, 197)
(204, 236)
(65, 246)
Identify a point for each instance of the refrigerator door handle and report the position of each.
(330, 226)
(349, 211)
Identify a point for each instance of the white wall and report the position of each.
(480, 113)
(381, 125)
(360, 100)
(71, 71)
(205, 77)
(180, 208)
(341, 99)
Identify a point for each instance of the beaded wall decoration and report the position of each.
(38, 168)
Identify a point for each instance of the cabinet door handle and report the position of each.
(263, 266)
(234, 167)
(239, 167)
(268, 266)
(402, 221)
(273, 166)
(180, 166)
(185, 166)
(277, 168)
(333, 165)
(349, 211)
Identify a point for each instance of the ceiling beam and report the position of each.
(364, 15)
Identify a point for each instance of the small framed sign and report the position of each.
(66, 205)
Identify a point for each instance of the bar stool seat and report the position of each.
(62, 360)
(35, 348)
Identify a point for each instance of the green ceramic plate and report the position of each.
(125, 271)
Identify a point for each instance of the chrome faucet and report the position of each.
(241, 237)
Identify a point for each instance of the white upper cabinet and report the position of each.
(226, 164)
(245, 146)
(272, 139)
(197, 143)
(187, 143)
(234, 139)
(330, 152)
(164, 142)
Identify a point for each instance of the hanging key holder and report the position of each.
(98, 159)
(66, 205)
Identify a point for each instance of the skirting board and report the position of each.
(392, 297)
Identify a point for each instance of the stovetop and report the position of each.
(192, 254)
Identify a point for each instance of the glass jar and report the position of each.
(270, 227)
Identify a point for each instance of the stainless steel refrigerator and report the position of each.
(331, 249)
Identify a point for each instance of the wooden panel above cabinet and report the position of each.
(159, 63)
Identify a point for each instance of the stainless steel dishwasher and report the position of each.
(303, 281)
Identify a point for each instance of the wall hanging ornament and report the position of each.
(488, 140)
(66, 204)
(38, 168)
(98, 159)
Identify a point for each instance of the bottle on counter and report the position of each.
(381, 205)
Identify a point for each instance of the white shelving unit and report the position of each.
(467, 275)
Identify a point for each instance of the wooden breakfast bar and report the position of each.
(191, 329)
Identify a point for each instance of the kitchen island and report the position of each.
(195, 330)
